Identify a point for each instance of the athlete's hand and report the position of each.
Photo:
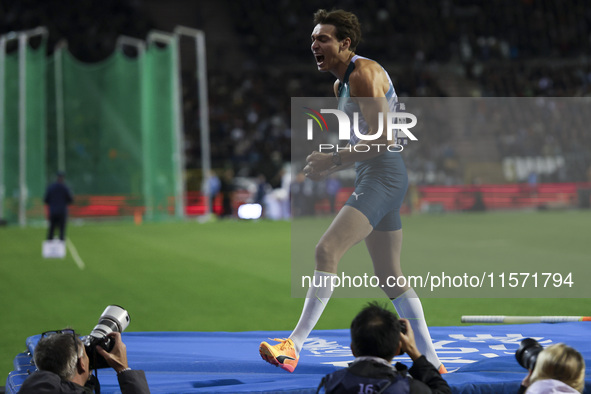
(314, 176)
(317, 165)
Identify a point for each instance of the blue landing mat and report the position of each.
(481, 359)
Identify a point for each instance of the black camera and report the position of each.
(402, 325)
(528, 352)
(113, 319)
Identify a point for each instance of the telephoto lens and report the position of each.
(113, 319)
(528, 352)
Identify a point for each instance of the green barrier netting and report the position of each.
(118, 122)
(158, 121)
(119, 127)
(35, 115)
(102, 129)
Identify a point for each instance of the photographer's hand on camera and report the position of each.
(525, 383)
(407, 341)
(130, 381)
(117, 357)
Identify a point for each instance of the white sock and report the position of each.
(316, 299)
(409, 307)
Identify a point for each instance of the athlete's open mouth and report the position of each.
(319, 58)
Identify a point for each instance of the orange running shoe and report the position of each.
(281, 355)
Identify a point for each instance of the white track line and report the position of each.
(75, 254)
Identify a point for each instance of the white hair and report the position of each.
(57, 354)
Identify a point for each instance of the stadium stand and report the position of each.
(456, 48)
(502, 53)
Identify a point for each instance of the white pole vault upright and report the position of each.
(3, 41)
(521, 319)
(201, 62)
(23, 39)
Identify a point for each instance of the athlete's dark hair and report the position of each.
(346, 24)
(375, 331)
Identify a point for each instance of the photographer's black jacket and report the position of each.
(384, 378)
(45, 382)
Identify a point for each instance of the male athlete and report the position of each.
(372, 212)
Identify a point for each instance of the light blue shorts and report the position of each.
(380, 187)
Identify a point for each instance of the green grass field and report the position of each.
(235, 275)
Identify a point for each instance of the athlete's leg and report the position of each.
(348, 228)
(384, 248)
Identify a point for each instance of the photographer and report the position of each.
(558, 369)
(63, 366)
(377, 335)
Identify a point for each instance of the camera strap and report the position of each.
(93, 383)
